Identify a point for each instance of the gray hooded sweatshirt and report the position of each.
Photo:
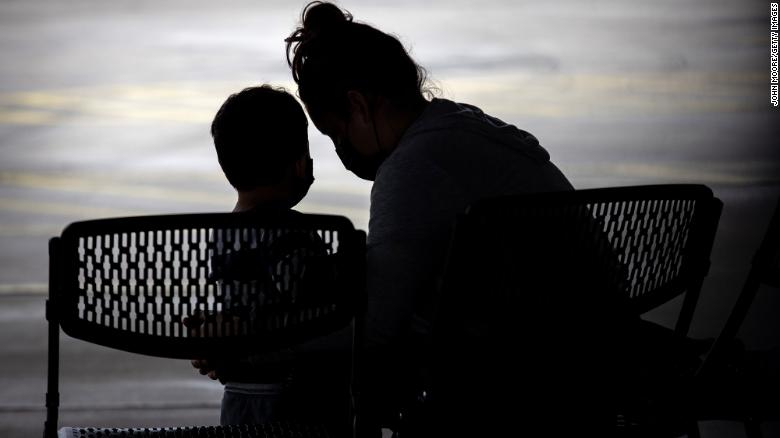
(452, 155)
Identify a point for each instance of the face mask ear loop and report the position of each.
(376, 133)
(340, 144)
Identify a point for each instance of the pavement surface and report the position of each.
(105, 110)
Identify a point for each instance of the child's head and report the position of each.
(261, 139)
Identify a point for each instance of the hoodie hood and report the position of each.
(446, 115)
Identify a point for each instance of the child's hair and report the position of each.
(330, 54)
(258, 133)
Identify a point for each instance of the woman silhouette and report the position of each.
(428, 159)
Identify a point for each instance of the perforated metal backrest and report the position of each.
(188, 285)
(661, 235)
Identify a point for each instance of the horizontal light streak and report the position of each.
(529, 93)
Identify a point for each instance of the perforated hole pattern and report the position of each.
(148, 282)
(648, 238)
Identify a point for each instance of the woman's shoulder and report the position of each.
(443, 118)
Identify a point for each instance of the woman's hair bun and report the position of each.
(330, 54)
(319, 16)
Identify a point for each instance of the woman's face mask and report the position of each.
(335, 127)
(362, 167)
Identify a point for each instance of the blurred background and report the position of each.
(105, 110)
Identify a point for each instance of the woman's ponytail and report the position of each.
(330, 54)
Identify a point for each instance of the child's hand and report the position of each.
(206, 368)
(213, 324)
